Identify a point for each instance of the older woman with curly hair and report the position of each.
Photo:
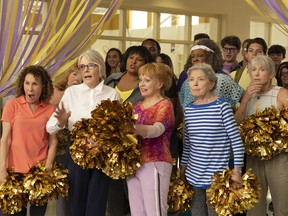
(25, 139)
(207, 51)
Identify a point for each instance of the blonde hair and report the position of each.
(161, 72)
(263, 61)
(95, 57)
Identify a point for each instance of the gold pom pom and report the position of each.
(12, 196)
(42, 186)
(63, 139)
(59, 180)
(116, 149)
(265, 134)
(226, 200)
(180, 131)
(82, 154)
(180, 193)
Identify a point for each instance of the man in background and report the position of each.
(231, 46)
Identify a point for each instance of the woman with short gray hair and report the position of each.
(210, 131)
(88, 191)
(273, 173)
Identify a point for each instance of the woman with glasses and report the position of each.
(88, 191)
(283, 72)
(70, 77)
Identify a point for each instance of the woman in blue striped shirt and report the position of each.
(209, 133)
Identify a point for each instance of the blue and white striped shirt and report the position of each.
(209, 133)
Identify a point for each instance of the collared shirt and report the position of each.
(29, 138)
(80, 100)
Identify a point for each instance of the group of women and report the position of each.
(209, 100)
(211, 127)
(89, 188)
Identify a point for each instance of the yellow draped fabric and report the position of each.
(42, 32)
(276, 11)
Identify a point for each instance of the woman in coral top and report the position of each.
(25, 140)
(148, 189)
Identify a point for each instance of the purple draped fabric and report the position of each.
(273, 6)
(52, 61)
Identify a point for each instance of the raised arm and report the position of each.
(241, 110)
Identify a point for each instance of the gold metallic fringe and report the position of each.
(225, 200)
(117, 149)
(180, 193)
(265, 134)
(63, 139)
(42, 186)
(37, 187)
(12, 195)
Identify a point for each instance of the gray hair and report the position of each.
(207, 69)
(95, 57)
(263, 61)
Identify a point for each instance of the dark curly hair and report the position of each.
(188, 63)
(40, 73)
(214, 59)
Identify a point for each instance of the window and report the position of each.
(174, 32)
(172, 26)
(271, 33)
(208, 25)
(139, 24)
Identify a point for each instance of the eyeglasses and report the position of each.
(284, 74)
(90, 66)
(226, 49)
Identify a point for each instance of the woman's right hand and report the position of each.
(254, 87)
(3, 176)
(61, 115)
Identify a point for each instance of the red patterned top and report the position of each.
(156, 149)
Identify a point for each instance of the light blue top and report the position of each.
(226, 88)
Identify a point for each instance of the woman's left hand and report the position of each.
(91, 143)
(48, 166)
(237, 179)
